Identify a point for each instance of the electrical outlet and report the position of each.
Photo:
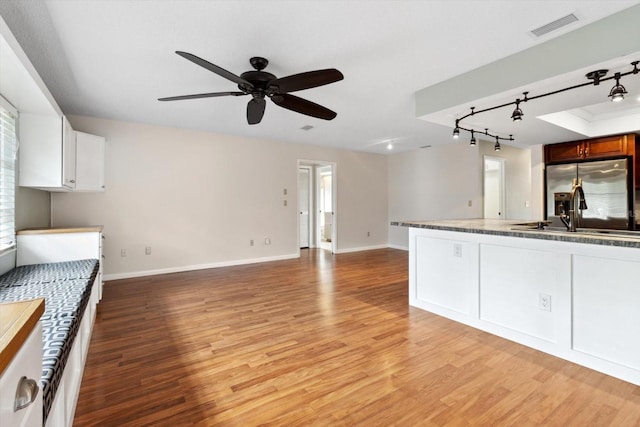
(457, 250)
(368, 234)
(284, 191)
(251, 242)
(544, 302)
(147, 250)
(527, 204)
(267, 241)
(285, 203)
(470, 203)
(123, 252)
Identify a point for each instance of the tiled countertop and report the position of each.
(516, 229)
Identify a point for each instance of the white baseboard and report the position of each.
(361, 248)
(142, 273)
(402, 248)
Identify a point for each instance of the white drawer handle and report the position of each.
(25, 394)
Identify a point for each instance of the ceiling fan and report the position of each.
(261, 84)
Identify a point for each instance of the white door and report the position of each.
(304, 200)
(494, 193)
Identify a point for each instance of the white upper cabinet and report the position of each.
(68, 155)
(47, 152)
(90, 155)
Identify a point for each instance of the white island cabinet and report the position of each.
(571, 295)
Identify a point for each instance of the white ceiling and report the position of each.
(113, 59)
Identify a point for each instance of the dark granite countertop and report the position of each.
(514, 228)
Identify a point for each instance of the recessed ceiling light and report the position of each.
(389, 146)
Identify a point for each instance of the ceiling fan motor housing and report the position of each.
(259, 79)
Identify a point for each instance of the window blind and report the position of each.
(8, 148)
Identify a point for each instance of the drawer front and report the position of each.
(28, 363)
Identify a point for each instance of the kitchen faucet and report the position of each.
(571, 221)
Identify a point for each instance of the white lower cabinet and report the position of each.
(26, 363)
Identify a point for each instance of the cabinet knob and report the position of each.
(25, 393)
(73, 181)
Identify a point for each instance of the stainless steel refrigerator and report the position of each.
(606, 189)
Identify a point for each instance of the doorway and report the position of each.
(317, 205)
(494, 188)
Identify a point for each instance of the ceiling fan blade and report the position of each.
(255, 111)
(306, 80)
(201, 95)
(214, 68)
(302, 106)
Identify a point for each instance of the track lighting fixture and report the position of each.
(595, 77)
(517, 113)
(473, 139)
(456, 131)
(618, 91)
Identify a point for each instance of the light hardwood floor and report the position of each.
(325, 340)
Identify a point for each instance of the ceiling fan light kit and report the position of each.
(596, 77)
(262, 85)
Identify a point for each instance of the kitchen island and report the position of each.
(572, 295)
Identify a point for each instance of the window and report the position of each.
(8, 149)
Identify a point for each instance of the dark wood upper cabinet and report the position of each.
(591, 149)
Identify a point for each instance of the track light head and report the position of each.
(456, 132)
(618, 91)
(497, 146)
(517, 113)
(472, 142)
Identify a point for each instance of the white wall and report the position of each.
(537, 182)
(438, 183)
(197, 198)
(33, 208)
(433, 183)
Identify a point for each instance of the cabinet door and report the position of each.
(606, 147)
(68, 154)
(40, 151)
(90, 154)
(567, 151)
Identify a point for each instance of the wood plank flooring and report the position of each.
(324, 340)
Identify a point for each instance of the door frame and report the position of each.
(501, 180)
(334, 201)
(310, 207)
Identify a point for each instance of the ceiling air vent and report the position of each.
(306, 127)
(555, 25)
